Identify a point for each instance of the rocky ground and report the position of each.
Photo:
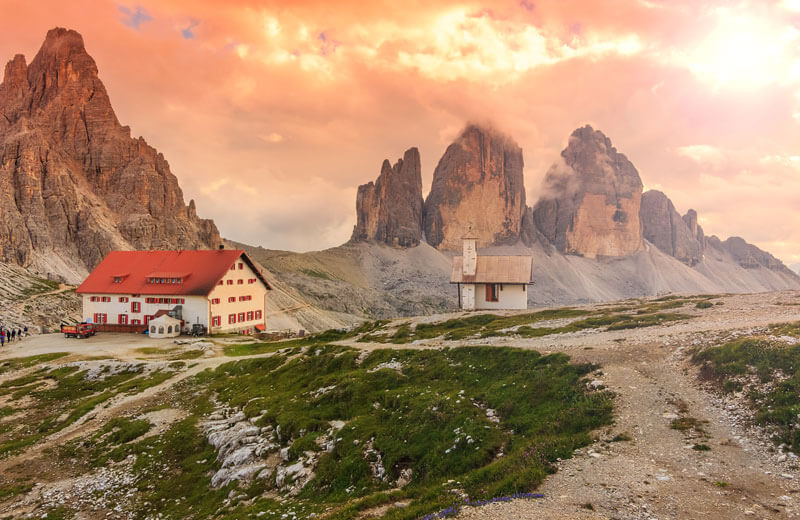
(657, 474)
(36, 303)
(639, 468)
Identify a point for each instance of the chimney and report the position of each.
(470, 253)
(221, 247)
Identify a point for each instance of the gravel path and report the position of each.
(657, 474)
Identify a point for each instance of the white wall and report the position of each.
(224, 291)
(510, 296)
(194, 308)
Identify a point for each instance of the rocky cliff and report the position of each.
(390, 209)
(478, 182)
(662, 225)
(74, 184)
(590, 199)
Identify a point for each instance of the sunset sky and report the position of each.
(272, 113)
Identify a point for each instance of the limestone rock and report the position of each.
(478, 182)
(663, 226)
(748, 255)
(590, 201)
(390, 209)
(73, 183)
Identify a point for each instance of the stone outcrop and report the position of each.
(590, 200)
(662, 225)
(747, 255)
(390, 209)
(478, 182)
(74, 184)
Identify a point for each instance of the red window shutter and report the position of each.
(241, 316)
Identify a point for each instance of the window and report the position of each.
(214, 301)
(93, 299)
(241, 317)
(117, 279)
(230, 282)
(251, 280)
(216, 321)
(240, 281)
(100, 317)
(123, 299)
(161, 330)
(136, 307)
(250, 316)
(147, 319)
(231, 319)
(258, 315)
(233, 267)
(153, 329)
(492, 292)
(136, 322)
(241, 265)
(231, 299)
(122, 319)
(169, 329)
(245, 298)
(221, 282)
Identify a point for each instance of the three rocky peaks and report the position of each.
(74, 184)
(591, 204)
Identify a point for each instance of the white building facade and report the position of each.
(221, 290)
(490, 282)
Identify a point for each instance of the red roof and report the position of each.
(199, 272)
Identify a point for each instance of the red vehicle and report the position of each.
(79, 330)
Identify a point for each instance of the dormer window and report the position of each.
(117, 279)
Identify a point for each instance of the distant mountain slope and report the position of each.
(74, 184)
(593, 235)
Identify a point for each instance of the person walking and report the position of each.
(2, 338)
(12, 334)
(26, 331)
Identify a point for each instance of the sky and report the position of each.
(272, 113)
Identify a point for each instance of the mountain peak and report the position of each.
(590, 201)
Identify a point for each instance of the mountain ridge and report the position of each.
(74, 184)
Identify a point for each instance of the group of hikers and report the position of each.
(12, 334)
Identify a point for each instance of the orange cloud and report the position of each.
(285, 107)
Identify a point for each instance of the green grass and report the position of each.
(491, 325)
(420, 419)
(27, 362)
(320, 339)
(778, 406)
(316, 274)
(423, 418)
(39, 286)
(157, 351)
(17, 488)
(72, 397)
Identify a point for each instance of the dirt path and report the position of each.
(657, 474)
